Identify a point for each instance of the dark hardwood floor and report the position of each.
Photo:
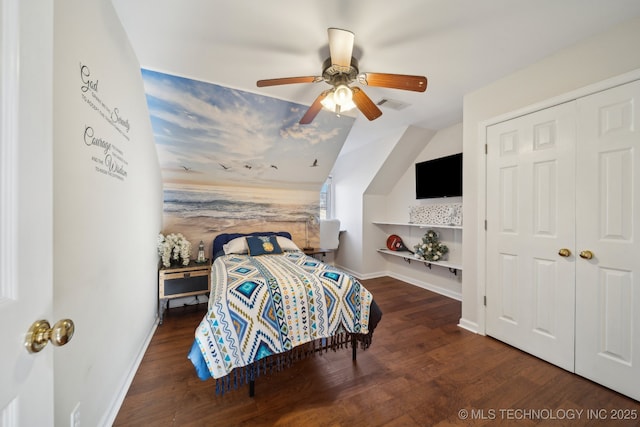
(421, 370)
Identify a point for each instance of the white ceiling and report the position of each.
(459, 45)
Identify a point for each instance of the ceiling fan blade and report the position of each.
(288, 80)
(365, 104)
(340, 46)
(394, 81)
(315, 108)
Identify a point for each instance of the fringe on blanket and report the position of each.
(279, 362)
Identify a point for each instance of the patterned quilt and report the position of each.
(269, 304)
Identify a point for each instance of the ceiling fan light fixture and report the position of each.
(339, 100)
(328, 103)
(342, 95)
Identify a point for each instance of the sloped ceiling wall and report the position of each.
(401, 158)
(208, 134)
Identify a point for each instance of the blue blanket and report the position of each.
(270, 304)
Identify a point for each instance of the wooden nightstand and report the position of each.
(182, 281)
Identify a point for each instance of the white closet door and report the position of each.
(531, 216)
(608, 223)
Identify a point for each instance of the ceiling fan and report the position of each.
(340, 70)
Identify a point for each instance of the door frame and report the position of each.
(481, 188)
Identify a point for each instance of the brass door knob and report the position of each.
(564, 252)
(586, 254)
(41, 332)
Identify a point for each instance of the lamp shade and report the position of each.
(341, 96)
(340, 46)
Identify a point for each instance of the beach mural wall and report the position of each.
(234, 161)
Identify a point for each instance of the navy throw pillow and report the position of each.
(263, 245)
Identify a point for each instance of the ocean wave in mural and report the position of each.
(203, 213)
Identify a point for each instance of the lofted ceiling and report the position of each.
(459, 45)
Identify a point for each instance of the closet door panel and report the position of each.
(608, 224)
(530, 214)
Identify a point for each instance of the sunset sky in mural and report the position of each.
(208, 134)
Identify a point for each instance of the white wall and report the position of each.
(403, 194)
(105, 222)
(393, 206)
(606, 55)
(352, 174)
(376, 182)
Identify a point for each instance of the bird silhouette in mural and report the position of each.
(223, 166)
(186, 168)
(274, 166)
(247, 166)
(315, 163)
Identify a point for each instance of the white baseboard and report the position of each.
(468, 325)
(355, 273)
(428, 286)
(112, 413)
(374, 275)
(419, 283)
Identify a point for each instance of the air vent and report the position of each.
(392, 104)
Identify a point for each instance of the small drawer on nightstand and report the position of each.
(185, 283)
(182, 281)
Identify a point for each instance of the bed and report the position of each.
(271, 305)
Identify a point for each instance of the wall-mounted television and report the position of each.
(441, 177)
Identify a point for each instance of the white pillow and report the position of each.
(236, 246)
(287, 244)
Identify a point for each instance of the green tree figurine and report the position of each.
(430, 249)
